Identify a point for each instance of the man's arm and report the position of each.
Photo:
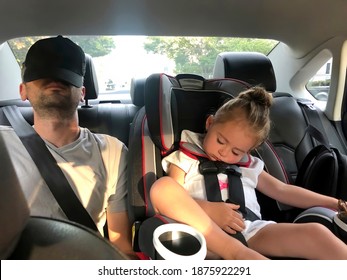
(119, 231)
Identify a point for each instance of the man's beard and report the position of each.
(50, 106)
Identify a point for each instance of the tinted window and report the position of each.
(319, 84)
(118, 59)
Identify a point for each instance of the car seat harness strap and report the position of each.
(210, 169)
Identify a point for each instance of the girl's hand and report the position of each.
(342, 205)
(225, 215)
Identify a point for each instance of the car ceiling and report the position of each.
(302, 25)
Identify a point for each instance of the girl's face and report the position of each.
(229, 141)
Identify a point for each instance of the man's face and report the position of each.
(49, 97)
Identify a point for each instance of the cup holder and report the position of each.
(177, 241)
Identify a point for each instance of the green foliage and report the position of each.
(197, 54)
(20, 46)
(94, 45)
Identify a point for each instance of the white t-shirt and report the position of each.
(194, 182)
(94, 165)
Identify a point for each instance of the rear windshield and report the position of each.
(118, 59)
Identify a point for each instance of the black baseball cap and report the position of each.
(56, 58)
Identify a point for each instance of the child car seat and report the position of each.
(171, 104)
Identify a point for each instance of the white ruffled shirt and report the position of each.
(194, 181)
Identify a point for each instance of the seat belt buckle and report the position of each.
(207, 167)
(229, 169)
(216, 167)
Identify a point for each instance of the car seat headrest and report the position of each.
(13, 206)
(90, 80)
(137, 91)
(252, 67)
(183, 102)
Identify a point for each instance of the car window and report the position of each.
(319, 84)
(118, 59)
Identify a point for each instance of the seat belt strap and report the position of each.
(210, 169)
(49, 169)
(312, 117)
(235, 192)
(237, 196)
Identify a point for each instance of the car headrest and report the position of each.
(183, 102)
(137, 91)
(14, 211)
(252, 67)
(90, 80)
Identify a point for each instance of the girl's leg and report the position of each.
(171, 199)
(307, 241)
